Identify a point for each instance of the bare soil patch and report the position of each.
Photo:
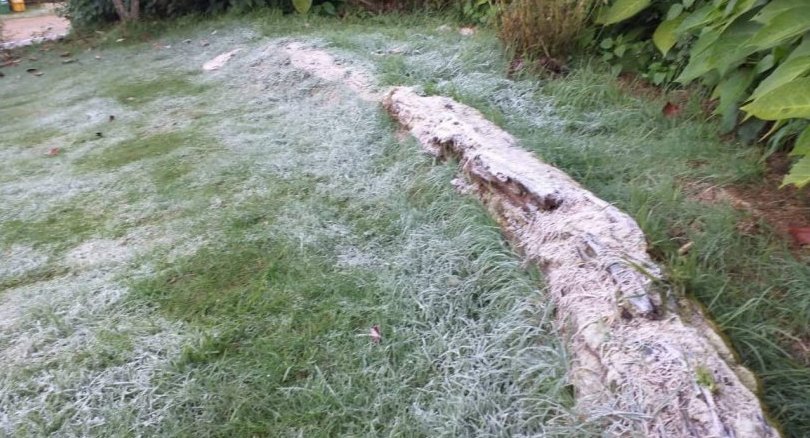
(19, 31)
(785, 209)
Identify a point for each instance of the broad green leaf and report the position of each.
(730, 8)
(799, 174)
(674, 11)
(795, 65)
(731, 92)
(748, 130)
(699, 57)
(664, 37)
(789, 101)
(782, 28)
(777, 7)
(705, 41)
(802, 49)
(719, 50)
(698, 19)
(726, 52)
(622, 10)
(600, 14)
(302, 6)
(786, 72)
(737, 10)
(766, 63)
(802, 146)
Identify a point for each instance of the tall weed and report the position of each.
(544, 28)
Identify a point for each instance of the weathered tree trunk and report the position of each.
(121, 10)
(135, 10)
(647, 362)
(126, 15)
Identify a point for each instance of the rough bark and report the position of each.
(135, 10)
(644, 360)
(121, 10)
(124, 14)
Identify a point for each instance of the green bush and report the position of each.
(86, 13)
(753, 54)
(91, 13)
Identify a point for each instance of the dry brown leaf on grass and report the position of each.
(671, 110)
(800, 234)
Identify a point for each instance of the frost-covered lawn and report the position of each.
(191, 253)
(210, 260)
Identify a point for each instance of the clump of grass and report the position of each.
(167, 173)
(140, 92)
(32, 138)
(62, 227)
(544, 28)
(142, 148)
(36, 275)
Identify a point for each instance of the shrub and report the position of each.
(547, 28)
(91, 13)
(87, 13)
(750, 53)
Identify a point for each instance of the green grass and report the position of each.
(279, 312)
(31, 138)
(168, 176)
(61, 227)
(145, 147)
(135, 92)
(254, 269)
(261, 263)
(628, 153)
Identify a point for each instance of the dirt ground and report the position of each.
(39, 22)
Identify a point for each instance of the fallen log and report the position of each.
(645, 361)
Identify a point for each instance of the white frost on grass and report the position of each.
(97, 252)
(19, 260)
(86, 361)
(76, 353)
(76, 357)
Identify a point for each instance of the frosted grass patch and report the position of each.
(19, 260)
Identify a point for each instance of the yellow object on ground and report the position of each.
(18, 5)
